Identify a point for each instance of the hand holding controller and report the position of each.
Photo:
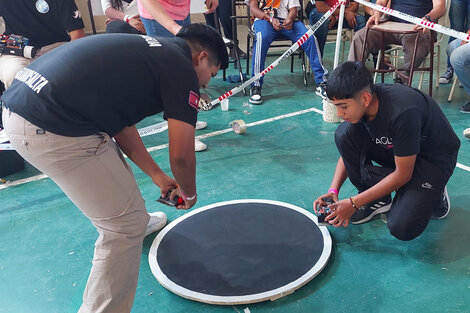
(324, 211)
(175, 202)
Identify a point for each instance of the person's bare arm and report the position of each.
(211, 6)
(114, 14)
(183, 158)
(338, 180)
(376, 15)
(256, 12)
(161, 16)
(293, 12)
(131, 144)
(76, 34)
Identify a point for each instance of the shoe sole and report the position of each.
(465, 112)
(256, 102)
(383, 209)
(448, 206)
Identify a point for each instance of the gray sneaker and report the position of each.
(447, 76)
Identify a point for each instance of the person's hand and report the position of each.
(351, 18)
(204, 96)
(332, 21)
(319, 202)
(187, 203)
(341, 213)
(373, 20)
(211, 6)
(276, 24)
(424, 30)
(287, 24)
(175, 28)
(164, 182)
(137, 24)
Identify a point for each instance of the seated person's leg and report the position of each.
(121, 27)
(311, 49)
(9, 66)
(416, 202)
(264, 36)
(460, 60)
(408, 43)
(322, 32)
(374, 43)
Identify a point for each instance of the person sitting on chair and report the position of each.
(123, 17)
(459, 55)
(406, 134)
(430, 10)
(352, 19)
(47, 26)
(275, 18)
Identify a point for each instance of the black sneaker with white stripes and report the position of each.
(368, 211)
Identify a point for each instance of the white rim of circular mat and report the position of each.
(252, 298)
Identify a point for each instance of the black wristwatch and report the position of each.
(429, 18)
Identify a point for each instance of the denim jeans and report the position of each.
(224, 11)
(459, 16)
(322, 32)
(265, 35)
(459, 56)
(155, 29)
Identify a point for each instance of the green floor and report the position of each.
(46, 245)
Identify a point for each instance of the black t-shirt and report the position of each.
(104, 83)
(417, 8)
(43, 22)
(409, 122)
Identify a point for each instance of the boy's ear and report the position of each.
(199, 57)
(366, 97)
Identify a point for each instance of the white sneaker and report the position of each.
(466, 132)
(200, 125)
(199, 145)
(157, 221)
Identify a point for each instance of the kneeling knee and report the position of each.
(404, 232)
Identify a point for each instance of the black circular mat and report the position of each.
(240, 251)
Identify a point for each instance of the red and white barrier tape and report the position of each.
(284, 56)
(418, 21)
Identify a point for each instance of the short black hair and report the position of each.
(204, 37)
(348, 79)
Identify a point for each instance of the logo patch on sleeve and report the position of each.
(193, 99)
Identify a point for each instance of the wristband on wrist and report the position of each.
(333, 190)
(429, 18)
(353, 203)
(126, 18)
(186, 198)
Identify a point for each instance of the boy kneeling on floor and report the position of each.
(410, 140)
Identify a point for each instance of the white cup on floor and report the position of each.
(224, 104)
